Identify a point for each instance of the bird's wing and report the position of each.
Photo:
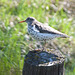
(47, 29)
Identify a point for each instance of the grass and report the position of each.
(12, 35)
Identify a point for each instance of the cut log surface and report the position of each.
(43, 63)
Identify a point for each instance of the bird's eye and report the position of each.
(32, 19)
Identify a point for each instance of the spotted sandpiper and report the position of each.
(40, 31)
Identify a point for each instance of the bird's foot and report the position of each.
(37, 49)
(43, 49)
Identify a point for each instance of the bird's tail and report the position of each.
(64, 36)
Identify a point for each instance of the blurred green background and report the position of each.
(15, 41)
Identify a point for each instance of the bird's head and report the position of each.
(28, 20)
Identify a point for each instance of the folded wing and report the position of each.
(47, 29)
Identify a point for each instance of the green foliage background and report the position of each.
(12, 35)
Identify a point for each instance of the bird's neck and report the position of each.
(30, 25)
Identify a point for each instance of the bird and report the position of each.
(42, 32)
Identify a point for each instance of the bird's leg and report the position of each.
(44, 48)
(45, 45)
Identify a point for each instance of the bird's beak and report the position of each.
(22, 21)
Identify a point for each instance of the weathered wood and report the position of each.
(43, 63)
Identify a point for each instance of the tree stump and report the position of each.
(43, 63)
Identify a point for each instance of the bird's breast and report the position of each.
(40, 36)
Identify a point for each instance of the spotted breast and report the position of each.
(35, 33)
